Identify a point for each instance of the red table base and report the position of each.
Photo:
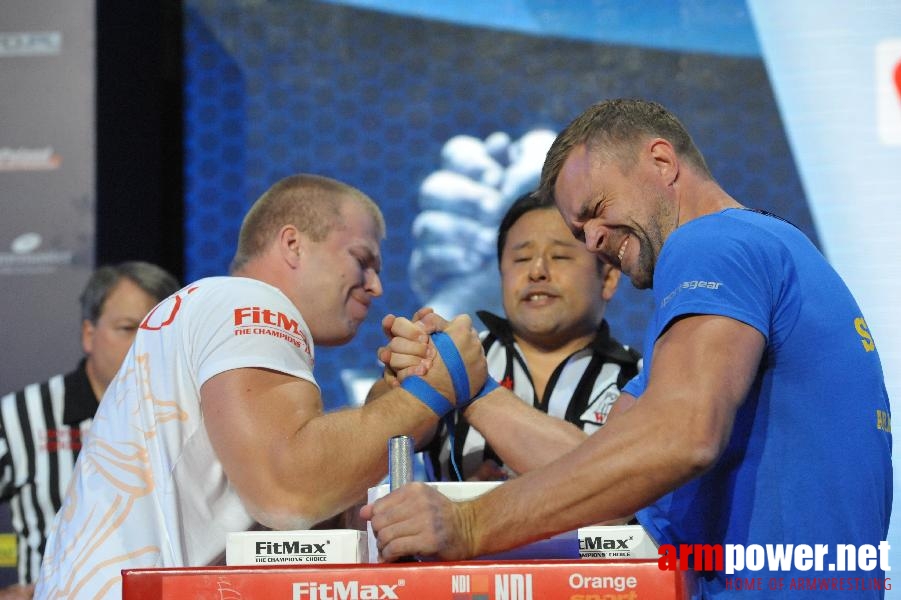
(505, 580)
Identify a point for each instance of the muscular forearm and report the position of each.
(293, 465)
(339, 455)
(677, 430)
(612, 474)
(381, 386)
(524, 438)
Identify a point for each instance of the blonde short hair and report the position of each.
(312, 203)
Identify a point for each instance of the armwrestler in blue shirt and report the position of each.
(806, 462)
(761, 416)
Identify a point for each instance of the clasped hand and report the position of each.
(411, 351)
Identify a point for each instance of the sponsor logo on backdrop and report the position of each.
(888, 91)
(31, 43)
(29, 159)
(26, 258)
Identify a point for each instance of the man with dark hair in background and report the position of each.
(554, 350)
(42, 425)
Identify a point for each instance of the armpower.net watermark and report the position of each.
(823, 565)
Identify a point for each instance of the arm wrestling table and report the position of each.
(476, 580)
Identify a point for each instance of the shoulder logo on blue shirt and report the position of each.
(866, 338)
(691, 285)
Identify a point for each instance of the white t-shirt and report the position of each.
(148, 489)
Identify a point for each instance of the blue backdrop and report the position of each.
(371, 98)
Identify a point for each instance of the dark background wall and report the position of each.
(139, 133)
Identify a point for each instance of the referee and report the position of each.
(42, 425)
(554, 350)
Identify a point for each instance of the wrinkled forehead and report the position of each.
(570, 210)
(572, 187)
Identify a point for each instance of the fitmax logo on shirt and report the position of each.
(264, 316)
(254, 320)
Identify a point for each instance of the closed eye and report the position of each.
(367, 261)
(578, 232)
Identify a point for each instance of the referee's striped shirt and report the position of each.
(582, 390)
(41, 429)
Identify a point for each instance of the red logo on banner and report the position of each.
(898, 79)
(888, 91)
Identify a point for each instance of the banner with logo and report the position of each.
(508, 580)
(46, 184)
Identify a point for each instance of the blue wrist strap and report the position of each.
(431, 397)
(453, 362)
(428, 395)
(489, 386)
(450, 423)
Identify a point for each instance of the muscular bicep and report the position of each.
(703, 367)
(251, 415)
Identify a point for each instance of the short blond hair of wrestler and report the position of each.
(311, 202)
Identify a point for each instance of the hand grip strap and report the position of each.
(489, 386)
(428, 395)
(454, 364)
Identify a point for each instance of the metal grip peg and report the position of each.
(400, 461)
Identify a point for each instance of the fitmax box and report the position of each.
(598, 541)
(302, 547)
(616, 541)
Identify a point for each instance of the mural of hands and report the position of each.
(453, 267)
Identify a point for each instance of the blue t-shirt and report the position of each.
(809, 458)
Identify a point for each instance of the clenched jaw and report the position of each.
(622, 250)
